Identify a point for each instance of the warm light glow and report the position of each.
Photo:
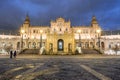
(22, 31)
(3, 44)
(41, 31)
(98, 31)
(32, 37)
(118, 44)
(79, 31)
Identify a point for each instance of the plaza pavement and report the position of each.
(60, 67)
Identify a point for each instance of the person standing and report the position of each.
(11, 54)
(14, 54)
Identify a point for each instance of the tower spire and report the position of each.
(27, 20)
(94, 21)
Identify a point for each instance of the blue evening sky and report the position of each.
(79, 12)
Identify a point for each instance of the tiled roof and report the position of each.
(9, 32)
(115, 32)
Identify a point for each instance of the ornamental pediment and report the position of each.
(60, 20)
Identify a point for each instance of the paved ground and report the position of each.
(85, 67)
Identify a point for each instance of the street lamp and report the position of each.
(98, 32)
(41, 38)
(79, 31)
(22, 32)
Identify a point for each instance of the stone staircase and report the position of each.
(36, 51)
(29, 51)
(90, 51)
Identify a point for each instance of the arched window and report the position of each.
(54, 29)
(34, 45)
(33, 31)
(66, 29)
(60, 29)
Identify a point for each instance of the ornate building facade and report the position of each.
(60, 36)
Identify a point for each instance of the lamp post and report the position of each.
(22, 32)
(41, 38)
(79, 31)
(98, 32)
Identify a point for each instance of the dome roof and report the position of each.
(94, 20)
(27, 20)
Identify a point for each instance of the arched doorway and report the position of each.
(69, 47)
(34, 45)
(29, 45)
(60, 45)
(18, 45)
(102, 45)
(91, 45)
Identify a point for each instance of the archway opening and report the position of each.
(69, 47)
(60, 45)
(29, 45)
(34, 45)
(18, 45)
(102, 45)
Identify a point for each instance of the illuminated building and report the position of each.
(60, 36)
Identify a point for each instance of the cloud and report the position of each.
(13, 12)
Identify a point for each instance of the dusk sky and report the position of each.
(80, 12)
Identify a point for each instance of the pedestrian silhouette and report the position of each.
(11, 54)
(14, 54)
